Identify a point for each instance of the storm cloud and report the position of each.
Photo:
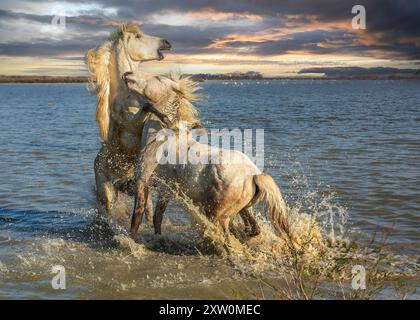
(261, 28)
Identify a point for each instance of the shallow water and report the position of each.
(346, 148)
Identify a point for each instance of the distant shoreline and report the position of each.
(42, 79)
(199, 78)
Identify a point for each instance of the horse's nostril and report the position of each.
(166, 44)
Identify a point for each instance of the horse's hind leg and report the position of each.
(251, 225)
(139, 206)
(161, 204)
(149, 209)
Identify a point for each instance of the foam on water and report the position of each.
(198, 253)
(316, 240)
(177, 260)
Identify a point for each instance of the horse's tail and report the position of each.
(269, 192)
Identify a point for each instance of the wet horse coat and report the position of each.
(220, 190)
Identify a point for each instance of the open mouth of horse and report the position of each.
(166, 46)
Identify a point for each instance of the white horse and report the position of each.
(220, 190)
(120, 114)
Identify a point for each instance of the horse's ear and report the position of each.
(97, 61)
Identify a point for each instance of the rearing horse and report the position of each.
(119, 114)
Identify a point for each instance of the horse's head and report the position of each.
(141, 46)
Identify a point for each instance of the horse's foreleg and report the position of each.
(161, 204)
(146, 167)
(105, 190)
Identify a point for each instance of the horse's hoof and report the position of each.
(254, 232)
(167, 121)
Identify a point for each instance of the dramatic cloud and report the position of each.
(216, 34)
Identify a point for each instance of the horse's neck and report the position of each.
(119, 65)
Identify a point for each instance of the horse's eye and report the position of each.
(138, 36)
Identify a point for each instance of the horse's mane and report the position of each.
(187, 90)
(97, 61)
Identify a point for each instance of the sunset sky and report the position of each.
(273, 37)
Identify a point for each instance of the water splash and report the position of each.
(196, 256)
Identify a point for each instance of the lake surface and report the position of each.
(350, 148)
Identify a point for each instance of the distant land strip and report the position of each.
(204, 77)
(42, 79)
